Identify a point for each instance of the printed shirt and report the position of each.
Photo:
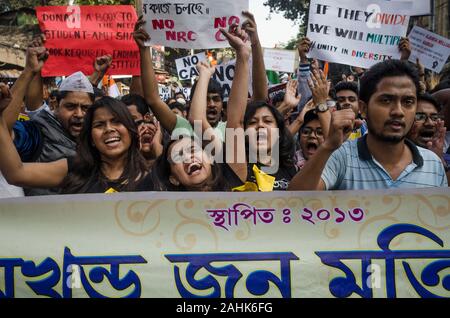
(352, 167)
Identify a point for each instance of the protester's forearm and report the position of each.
(34, 94)
(259, 83)
(295, 126)
(309, 178)
(95, 78)
(136, 86)
(151, 94)
(18, 92)
(325, 122)
(237, 101)
(197, 111)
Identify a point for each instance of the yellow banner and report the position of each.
(295, 244)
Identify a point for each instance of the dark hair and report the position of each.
(63, 94)
(139, 101)
(161, 172)
(430, 99)
(213, 87)
(309, 117)
(390, 68)
(87, 164)
(178, 105)
(278, 98)
(98, 92)
(54, 93)
(286, 141)
(346, 86)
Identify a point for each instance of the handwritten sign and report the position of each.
(164, 92)
(190, 24)
(431, 49)
(345, 244)
(280, 60)
(76, 35)
(186, 65)
(360, 33)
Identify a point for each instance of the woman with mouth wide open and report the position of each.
(108, 158)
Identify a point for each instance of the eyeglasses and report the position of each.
(215, 98)
(307, 131)
(422, 117)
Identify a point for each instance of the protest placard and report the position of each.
(280, 60)
(189, 24)
(186, 65)
(359, 33)
(164, 92)
(343, 244)
(431, 49)
(76, 35)
(419, 7)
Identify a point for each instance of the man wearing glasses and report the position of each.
(429, 129)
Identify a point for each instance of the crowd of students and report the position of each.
(380, 128)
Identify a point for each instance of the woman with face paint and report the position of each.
(108, 158)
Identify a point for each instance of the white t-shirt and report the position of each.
(9, 191)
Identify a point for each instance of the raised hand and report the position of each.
(204, 68)
(140, 35)
(437, 143)
(303, 48)
(237, 38)
(319, 86)
(404, 48)
(249, 26)
(342, 125)
(102, 63)
(289, 97)
(35, 58)
(5, 97)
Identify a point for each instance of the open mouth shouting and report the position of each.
(426, 136)
(193, 169)
(311, 148)
(211, 113)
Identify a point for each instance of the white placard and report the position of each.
(186, 65)
(419, 7)
(360, 33)
(432, 49)
(164, 92)
(190, 24)
(280, 60)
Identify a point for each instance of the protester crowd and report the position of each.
(381, 128)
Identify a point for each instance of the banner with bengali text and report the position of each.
(370, 244)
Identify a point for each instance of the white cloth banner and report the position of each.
(186, 65)
(431, 49)
(189, 24)
(359, 33)
(280, 60)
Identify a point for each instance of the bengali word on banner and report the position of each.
(363, 244)
(360, 33)
(76, 35)
(190, 24)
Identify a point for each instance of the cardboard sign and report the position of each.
(76, 35)
(431, 49)
(186, 65)
(189, 24)
(164, 92)
(280, 60)
(360, 33)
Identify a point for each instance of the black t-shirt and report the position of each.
(283, 176)
(100, 185)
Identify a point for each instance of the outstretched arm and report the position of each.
(237, 102)
(150, 86)
(42, 175)
(197, 112)
(259, 83)
(35, 59)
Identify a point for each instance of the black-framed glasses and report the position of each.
(422, 117)
(307, 131)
